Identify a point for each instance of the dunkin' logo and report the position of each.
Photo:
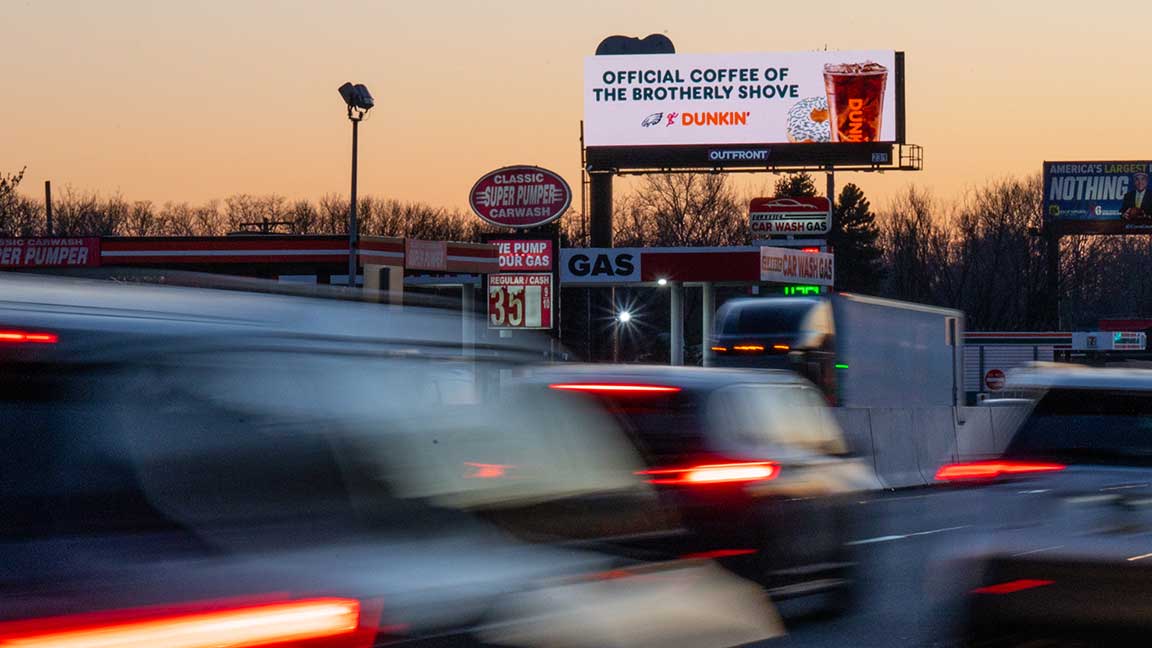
(724, 118)
(855, 131)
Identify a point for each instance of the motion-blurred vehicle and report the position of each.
(194, 468)
(752, 463)
(860, 351)
(1066, 558)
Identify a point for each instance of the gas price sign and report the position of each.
(520, 300)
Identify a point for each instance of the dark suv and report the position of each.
(752, 463)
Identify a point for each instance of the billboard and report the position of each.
(752, 109)
(1098, 197)
(784, 216)
(785, 265)
(520, 300)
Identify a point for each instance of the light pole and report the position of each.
(359, 101)
(623, 319)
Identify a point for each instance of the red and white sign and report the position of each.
(520, 196)
(520, 301)
(994, 380)
(524, 255)
(425, 255)
(785, 265)
(783, 216)
(49, 252)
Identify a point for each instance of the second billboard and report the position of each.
(1098, 197)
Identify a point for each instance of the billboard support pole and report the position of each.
(600, 232)
(1053, 254)
(676, 330)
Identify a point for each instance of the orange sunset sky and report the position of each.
(178, 101)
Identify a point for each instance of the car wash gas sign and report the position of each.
(785, 265)
(785, 216)
(520, 197)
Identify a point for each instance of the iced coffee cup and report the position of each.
(856, 100)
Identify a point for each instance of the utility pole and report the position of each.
(48, 206)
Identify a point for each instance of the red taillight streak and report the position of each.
(1011, 587)
(810, 250)
(719, 553)
(486, 470)
(714, 473)
(604, 387)
(263, 625)
(25, 336)
(992, 469)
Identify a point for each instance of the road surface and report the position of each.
(903, 602)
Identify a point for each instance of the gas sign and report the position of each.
(520, 300)
(599, 265)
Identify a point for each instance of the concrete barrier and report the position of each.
(1005, 420)
(975, 439)
(857, 426)
(906, 446)
(893, 447)
(934, 436)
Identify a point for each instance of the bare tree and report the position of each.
(916, 249)
(684, 209)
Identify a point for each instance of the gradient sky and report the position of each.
(162, 100)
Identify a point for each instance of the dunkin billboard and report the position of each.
(752, 99)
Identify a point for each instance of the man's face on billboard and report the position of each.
(1141, 182)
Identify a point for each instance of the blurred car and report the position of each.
(752, 464)
(1065, 557)
(192, 468)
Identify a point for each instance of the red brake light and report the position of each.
(486, 470)
(719, 553)
(714, 473)
(810, 250)
(614, 388)
(983, 470)
(1011, 587)
(21, 337)
(260, 625)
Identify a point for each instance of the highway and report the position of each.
(902, 602)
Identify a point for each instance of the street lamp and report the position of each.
(624, 316)
(359, 101)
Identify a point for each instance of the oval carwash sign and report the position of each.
(520, 196)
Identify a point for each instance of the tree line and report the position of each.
(980, 253)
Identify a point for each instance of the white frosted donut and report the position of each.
(809, 121)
